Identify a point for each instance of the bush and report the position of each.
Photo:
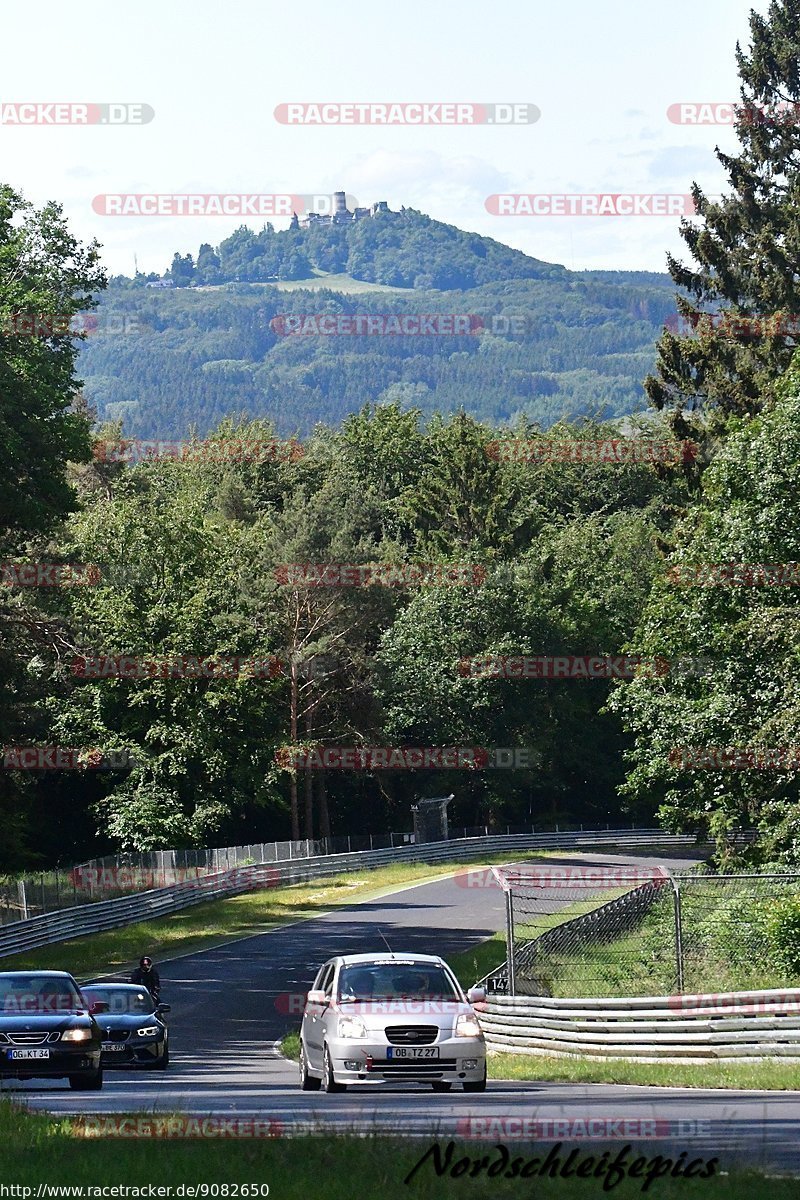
(784, 933)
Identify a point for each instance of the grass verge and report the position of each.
(769, 1075)
(37, 1149)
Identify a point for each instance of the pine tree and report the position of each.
(746, 250)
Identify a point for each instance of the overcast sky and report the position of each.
(603, 76)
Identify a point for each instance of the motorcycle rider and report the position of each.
(147, 976)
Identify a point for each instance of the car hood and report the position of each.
(31, 1022)
(377, 1015)
(126, 1020)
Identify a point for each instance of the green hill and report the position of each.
(536, 338)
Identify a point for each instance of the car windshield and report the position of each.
(121, 1000)
(38, 994)
(395, 981)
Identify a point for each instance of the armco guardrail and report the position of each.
(19, 936)
(699, 1028)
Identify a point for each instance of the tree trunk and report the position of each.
(293, 699)
(309, 776)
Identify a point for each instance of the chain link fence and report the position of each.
(31, 895)
(652, 934)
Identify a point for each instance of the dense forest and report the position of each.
(538, 348)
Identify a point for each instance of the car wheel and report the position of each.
(308, 1083)
(162, 1062)
(329, 1084)
(441, 1086)
(479, 1085)
(87, 1083)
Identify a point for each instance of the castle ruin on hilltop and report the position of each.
(341, 214)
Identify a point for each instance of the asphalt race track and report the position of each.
(231, 1004)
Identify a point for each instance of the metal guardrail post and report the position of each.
(511, 983)
(23, 899)
(676, 896)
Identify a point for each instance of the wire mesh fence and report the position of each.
(30, 895)
(651, 934)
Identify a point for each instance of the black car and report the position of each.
(48, 1030)
(132, 1025)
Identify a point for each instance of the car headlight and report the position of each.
(76, 1035)
(148, 1031)
(352, 1027)
(467, 1026)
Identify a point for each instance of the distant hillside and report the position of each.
(540, 340)
(405, 249)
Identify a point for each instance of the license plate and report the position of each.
(412, 1052)
(28, 1054)
(112, 1046)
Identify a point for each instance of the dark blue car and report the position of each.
(134, 1033)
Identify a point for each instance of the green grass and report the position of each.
(38, 1149)
(474, 964)
(726, 942)
(290, 1047)
(206, 925)
(770, 1075)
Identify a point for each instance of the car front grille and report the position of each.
(411, 1035)
(115, 1035)
(414, 1066)
(27, 1039)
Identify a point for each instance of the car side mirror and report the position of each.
(476, 994)
(316, 996)
(163, 1008)
(98, 1006)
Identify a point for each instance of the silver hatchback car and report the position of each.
(379, 1018)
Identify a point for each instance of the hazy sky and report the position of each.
(603, 76)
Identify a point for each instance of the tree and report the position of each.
(745, 251)
(46, 277)
(749, 514)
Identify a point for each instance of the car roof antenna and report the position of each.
(386, 944)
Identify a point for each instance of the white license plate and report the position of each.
(113, 1046)
(412, 1052)
(28, 1054)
